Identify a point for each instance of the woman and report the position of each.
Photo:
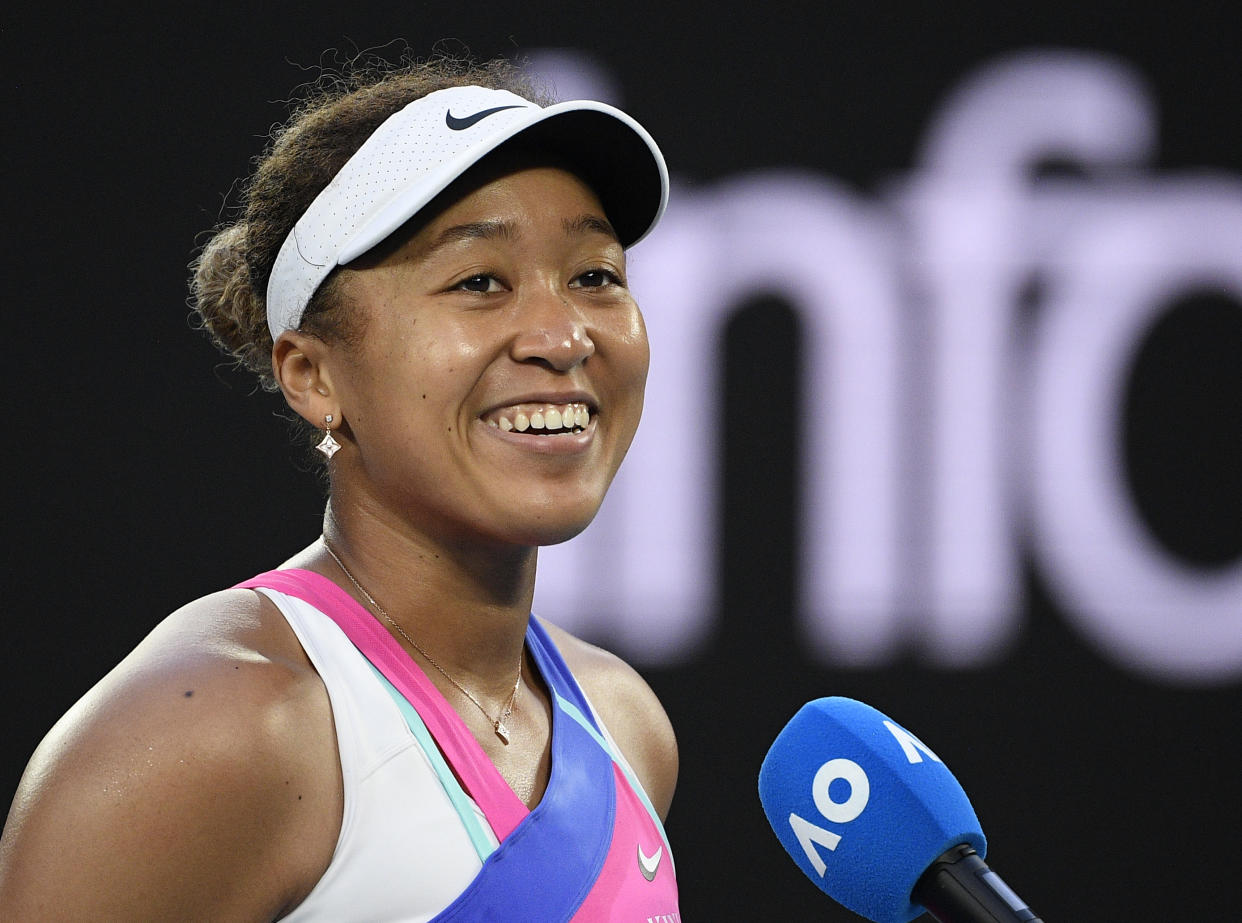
(430, 268)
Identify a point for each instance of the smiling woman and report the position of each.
(430, 267)
(510, 304)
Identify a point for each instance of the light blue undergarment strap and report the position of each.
(481, 838)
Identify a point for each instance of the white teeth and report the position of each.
(574, 417)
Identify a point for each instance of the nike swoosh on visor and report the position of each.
(460, 124)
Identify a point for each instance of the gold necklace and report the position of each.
(498, 723)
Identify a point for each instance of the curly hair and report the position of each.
(336, 114)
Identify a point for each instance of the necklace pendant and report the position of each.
(502, 732)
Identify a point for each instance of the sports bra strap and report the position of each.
(548, 858)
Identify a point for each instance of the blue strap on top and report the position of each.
(546, 867)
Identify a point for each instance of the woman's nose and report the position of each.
(553, 330)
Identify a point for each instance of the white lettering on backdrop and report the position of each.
(1019, 442)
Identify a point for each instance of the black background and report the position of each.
(142, 472)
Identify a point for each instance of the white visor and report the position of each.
(421, 149)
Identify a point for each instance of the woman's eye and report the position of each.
(479, 283)
(597, 278)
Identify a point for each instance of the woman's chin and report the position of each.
(550, 527)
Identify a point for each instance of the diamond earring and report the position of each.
(328, 446)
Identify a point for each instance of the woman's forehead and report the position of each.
(499, 205)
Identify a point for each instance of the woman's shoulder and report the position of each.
(630, 709)
(190, 777)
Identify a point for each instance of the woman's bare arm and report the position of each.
(189, 783)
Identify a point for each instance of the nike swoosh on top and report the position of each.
(459, 124)
(648, 864)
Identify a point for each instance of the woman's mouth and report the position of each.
(540, 419)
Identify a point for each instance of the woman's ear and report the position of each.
(301, 368)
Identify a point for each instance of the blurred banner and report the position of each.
(919, 304)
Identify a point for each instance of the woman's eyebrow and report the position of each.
(589, 224)
(474, 230)
(507, 230)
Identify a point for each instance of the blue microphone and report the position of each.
(877, 821)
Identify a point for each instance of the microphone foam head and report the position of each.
(863, 806)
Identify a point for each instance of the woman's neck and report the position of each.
(465, 604)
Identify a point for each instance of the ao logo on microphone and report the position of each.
(842, 812)
(864, 836)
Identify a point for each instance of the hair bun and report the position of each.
(232, 312)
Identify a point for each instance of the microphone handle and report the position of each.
(960, 888)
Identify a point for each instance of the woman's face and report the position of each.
(504, 316)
